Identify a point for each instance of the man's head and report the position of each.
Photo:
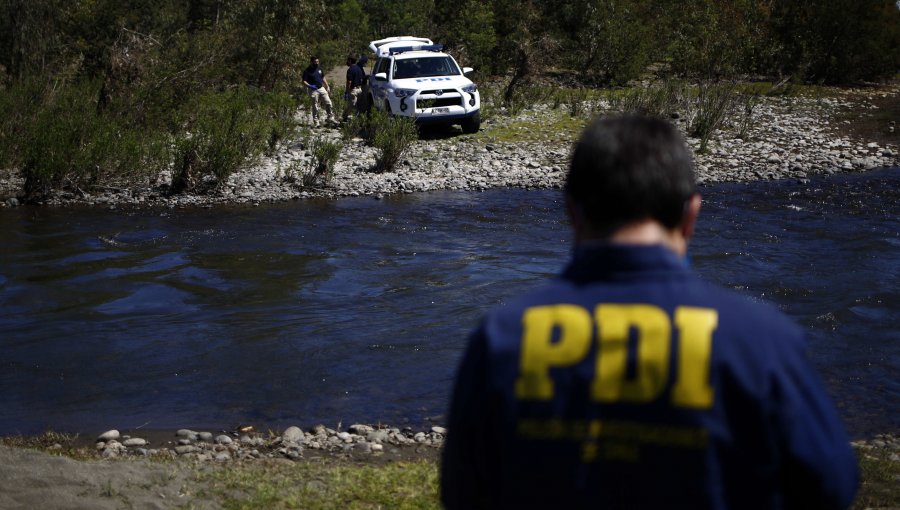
(314, 61)
(351, 60)
(631, 170)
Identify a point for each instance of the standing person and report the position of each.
(626, 381)
(362, 104)
(353, 87)
(315, 82)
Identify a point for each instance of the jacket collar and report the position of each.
(597, 260)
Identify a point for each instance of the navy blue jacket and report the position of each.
(355, 75)
(314, 76)
(627, 382)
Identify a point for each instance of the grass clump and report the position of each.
(55, 443)
(880, 475)
(325, 483)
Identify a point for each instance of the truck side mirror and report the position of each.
(381, 76)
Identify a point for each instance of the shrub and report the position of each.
(325, 154)
(64, 142)
(660, 99)
(712, 105)
(390, 136)
(224, 132)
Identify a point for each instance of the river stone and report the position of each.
(223, 439)
(186, 433)
(183, 449)
(292, 435)
(135, 441)
(439, 430)
(109, 435)
(205, 436)
(361, 429)
(377, 436)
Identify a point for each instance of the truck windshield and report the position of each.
(424, 67)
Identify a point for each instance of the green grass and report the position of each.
(324, 483)
(880, 487)
(549, 126)
(54, 443)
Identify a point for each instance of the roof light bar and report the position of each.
(421, 47)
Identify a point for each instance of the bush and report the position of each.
(224, 132)
(390, 136)
(325, 154)
(659, 100)
(64, 142)
(712, 105)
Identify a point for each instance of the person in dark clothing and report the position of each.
(362, 104)
(628, 382)
(317, 87)
(353, 87)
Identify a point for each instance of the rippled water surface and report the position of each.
(358, 309)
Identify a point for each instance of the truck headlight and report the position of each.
(470, 88)
(404, 92)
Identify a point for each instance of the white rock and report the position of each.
(292, 435)
(109, 435)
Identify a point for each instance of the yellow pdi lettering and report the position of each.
(540, 352)
(695, 333)
(654, 333)
(556, 336)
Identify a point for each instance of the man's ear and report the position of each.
(689, 217)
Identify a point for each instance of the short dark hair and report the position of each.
(351, 59)
(313, 58)
(630, 168)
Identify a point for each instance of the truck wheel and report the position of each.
(472, 124)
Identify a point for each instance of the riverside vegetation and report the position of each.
(104, 95)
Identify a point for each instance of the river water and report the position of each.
(357, 310)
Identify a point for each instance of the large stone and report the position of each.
(109, 435)
(292, 435)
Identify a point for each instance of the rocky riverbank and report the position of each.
(218, 474)
(358, 441)
(246, 444)
(784, 138)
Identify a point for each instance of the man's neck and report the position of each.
(643, 233)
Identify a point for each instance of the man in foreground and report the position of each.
(627, 382)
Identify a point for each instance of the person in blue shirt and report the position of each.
(317, 88)
(628, 382)
(353, 87)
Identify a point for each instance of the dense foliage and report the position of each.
(121, 89)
